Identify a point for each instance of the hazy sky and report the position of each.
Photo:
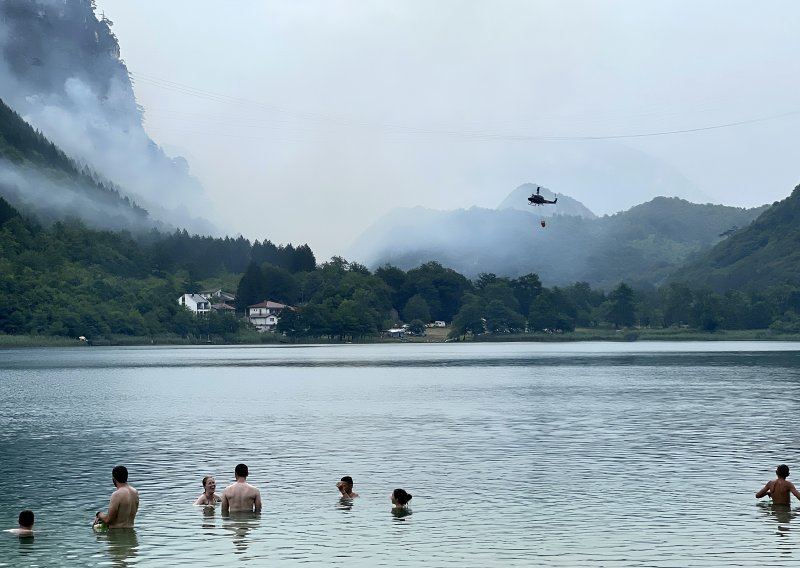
(307, 120)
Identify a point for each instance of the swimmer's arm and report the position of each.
(200, 500)
(765, 491)
(794, 490)
(257, 504)
(113, 509)
(225, 504)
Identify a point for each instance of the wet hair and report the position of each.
(26, 519)
(401, 496)
(241, 470)
(206, 478)
(348, 479)
(783, 470)
(120, 473)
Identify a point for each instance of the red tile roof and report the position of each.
(268, 304)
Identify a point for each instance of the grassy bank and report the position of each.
(436, 335)
(669, 334)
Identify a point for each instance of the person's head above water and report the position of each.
(120, 474)
(210, 483)
(241, 470)
(400, 497)
(345, 486)
(782, 471)
(26, 519)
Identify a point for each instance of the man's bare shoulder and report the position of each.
(22, 532)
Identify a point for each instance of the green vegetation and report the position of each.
(25, 147)
(66, 281)
(764, 254)
(642, 246)
(63, 279)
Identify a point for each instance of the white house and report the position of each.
(195, 302)
(265, 315)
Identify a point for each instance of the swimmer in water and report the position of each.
(240, 495)
(124, 502)
(208, 497)
(345, 487)
(400, 498)
(25, 524)
(779, 489)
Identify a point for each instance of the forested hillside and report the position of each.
(60, 68)
(36, 176)
(69, 280)
(641, 246)
(763, 254)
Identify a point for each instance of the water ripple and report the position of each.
(517, 455)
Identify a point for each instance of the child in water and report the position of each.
(779, 489)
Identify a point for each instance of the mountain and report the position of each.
(38, 178)
(60, 69)
(642, 245)
(518, 199)
(765, 253)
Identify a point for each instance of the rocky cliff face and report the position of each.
(60, 68)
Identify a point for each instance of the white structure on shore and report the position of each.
(265, 315)
(196, 303)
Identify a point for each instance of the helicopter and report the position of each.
(536, 199)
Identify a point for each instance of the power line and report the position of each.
(478, 135)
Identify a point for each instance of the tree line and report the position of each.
(68, 280)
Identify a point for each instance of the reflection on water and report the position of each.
(518, 455)
(345, 503)
(122, 545)
(782, 514)
(400, 513)
(25, 543)
(209, 514)
(240, 523)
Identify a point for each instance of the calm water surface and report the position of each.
(598, 454)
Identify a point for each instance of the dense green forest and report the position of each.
(68, 280)
(762, 255)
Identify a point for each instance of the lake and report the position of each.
(520, 454)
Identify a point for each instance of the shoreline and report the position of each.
(621, 336)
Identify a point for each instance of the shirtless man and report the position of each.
(124, 502)
(345, 487)
(779, 488)
(25, 524)
(208, 497)
(240, 495)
